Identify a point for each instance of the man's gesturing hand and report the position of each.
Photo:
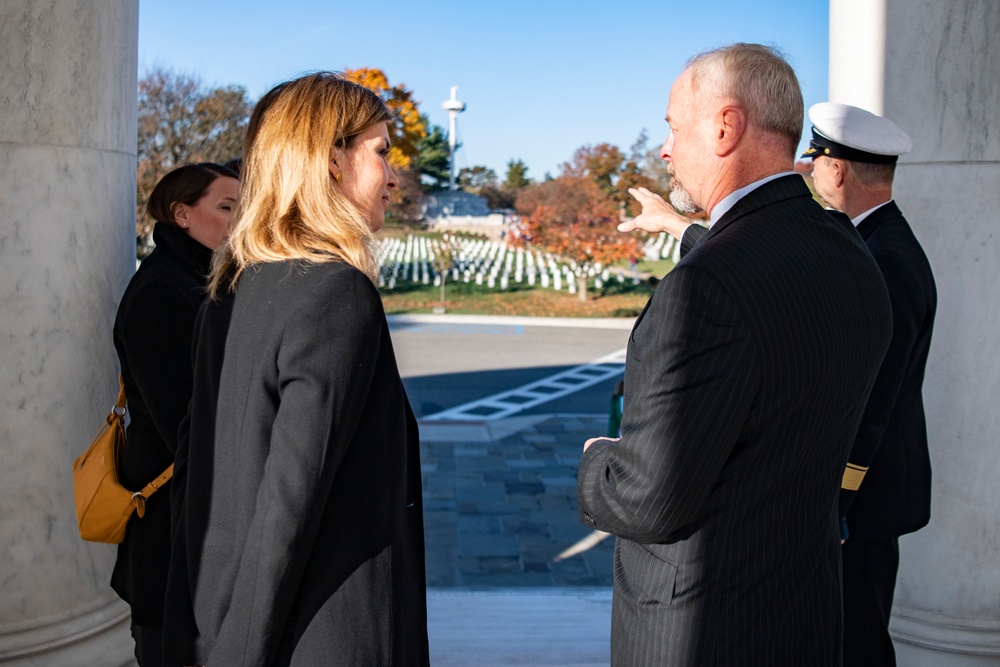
(587, 444)
(657, 215)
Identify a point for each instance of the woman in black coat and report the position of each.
(193, 207)
(300, 536)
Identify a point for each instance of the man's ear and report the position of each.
(838, 171)
(731, 124)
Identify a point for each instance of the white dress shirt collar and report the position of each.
(862, 216)
(730, 200)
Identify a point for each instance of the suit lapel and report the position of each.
(642, 314)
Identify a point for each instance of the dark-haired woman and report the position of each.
(193, 208)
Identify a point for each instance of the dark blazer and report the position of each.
(892, 437)
(208, 352)
(152, 335)
(302, 516)
(745, 381)
(895, 495)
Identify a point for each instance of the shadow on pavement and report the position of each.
(500, 503)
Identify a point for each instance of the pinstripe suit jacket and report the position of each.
(892, 438)
(745, 382)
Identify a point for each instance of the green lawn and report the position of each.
(614, 300)
(658, 268)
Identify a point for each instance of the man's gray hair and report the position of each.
(873, 175)
(760, 80)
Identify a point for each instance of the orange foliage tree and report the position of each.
(612, 171)
(409, 128)
(601, 163)
(572, 217)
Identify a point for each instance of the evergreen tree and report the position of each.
(434, 160)
(517, 176)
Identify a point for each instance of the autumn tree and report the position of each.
(601, 164)
(571, 216)
(613, 172)
(182, 121)
(410, 126)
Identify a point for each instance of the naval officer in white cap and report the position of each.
(886, 490)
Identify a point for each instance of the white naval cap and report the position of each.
(850, 133)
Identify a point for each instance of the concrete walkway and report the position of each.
(563, 627)
(500, 506)
(514, 578)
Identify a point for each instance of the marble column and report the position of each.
(934, 68)
(67, 248)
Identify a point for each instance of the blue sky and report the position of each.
(540, 78)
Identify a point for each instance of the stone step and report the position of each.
(551, 627)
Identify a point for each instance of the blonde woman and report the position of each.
(301, 531)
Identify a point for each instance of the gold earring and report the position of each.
(338, 177)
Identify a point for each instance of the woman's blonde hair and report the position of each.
(290, 207)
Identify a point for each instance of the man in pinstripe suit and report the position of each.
(746, 378)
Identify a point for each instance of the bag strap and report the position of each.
(118, 412)
(139, 497)
(154, 486)
(120, 403)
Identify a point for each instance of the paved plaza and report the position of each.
(500, 504)
(527, 627)
(505, 406)
(500, 516)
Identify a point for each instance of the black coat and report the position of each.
(895, 495)
(301, 523)
(745, 380)
(208, 352)
(152, 335)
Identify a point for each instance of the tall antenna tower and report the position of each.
(453, 107)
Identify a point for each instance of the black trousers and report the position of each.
(148, 645)
(869, 582)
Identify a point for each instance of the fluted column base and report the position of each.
(94, 635)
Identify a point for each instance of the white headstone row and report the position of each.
(495, 264)
(660, 246)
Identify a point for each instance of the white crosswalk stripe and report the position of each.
(512, 401)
